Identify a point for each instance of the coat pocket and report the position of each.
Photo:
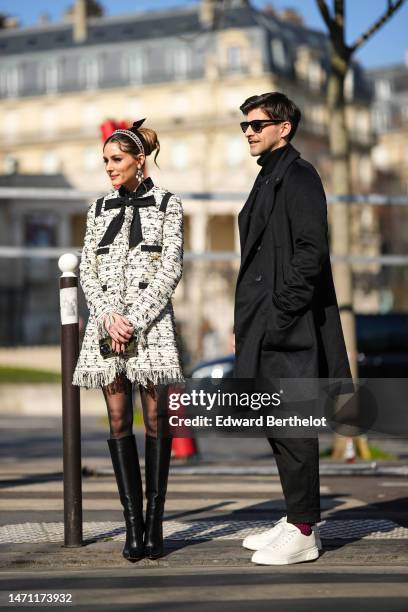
(152, 252)
(287, 332)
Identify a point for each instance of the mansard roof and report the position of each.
(181, 24)
(396, 74)
(150, 25)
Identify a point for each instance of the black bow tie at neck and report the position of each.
(128, 198)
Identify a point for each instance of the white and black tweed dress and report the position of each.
(131, 263)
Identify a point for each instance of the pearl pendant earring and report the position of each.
(139, 175)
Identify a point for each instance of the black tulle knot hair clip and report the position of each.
(137, 124)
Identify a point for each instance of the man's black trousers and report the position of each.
(298, 465)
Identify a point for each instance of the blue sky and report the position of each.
(386, 47)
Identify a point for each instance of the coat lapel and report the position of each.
(244, 216)
(267, 196)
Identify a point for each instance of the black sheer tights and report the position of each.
(119, 402)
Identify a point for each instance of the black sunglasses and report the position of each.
(257, 125)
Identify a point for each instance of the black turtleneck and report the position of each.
(269, 159)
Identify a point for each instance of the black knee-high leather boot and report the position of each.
(157, 463)
(126, 466)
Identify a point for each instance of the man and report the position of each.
(287, 322)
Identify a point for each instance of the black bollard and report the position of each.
(71, 417)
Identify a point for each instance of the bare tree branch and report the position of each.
(339, 16)
(325, 13)
(392, 8)
(339, 23)
(335, 26)
(339, 9)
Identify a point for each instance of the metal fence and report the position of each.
(29, 309)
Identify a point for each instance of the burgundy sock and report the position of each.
(304, 528)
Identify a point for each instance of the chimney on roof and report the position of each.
(80, 21)
(79, 13)
(207, 13)
(8, 23)
(292, 16)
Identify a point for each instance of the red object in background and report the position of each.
(110, 125)
(183, 448)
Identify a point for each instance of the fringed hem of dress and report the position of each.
(97, 379)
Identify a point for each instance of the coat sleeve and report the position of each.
(94, 295)
(158, 292)
(307, 211)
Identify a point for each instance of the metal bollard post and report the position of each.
(71, 418)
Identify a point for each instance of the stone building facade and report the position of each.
(187, 70)
(390, 160)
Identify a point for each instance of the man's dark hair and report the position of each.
(277, 106)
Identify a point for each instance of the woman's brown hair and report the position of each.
(147, 136)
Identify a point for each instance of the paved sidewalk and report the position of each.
(210, 508)
(365, 518)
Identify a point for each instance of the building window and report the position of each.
(179, 155)
(314, 75)
(278, 53)
(180, 63)
(235, 150)
(50, 162)
(9, 82)
(89, 72)
(134, 67)
(404, 114)
(50, 77)
(383, 89)
(40, 230)
(382, 119)
(234, 59)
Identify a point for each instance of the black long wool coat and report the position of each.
(287, 321)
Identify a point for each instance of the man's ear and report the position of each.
(286, 129)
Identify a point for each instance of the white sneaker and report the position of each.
(291, 546)
(257, 541)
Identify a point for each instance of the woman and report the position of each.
(131, 264)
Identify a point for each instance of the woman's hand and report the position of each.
(120, 330)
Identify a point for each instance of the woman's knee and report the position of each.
(120, 385)
(149, 404)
